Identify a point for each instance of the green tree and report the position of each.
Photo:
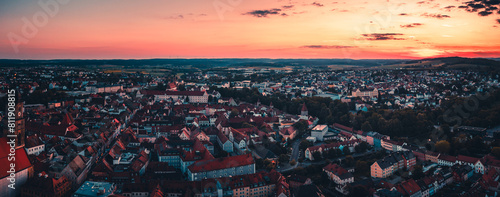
(234, 113)
(270, 166)
(349, 161)
(283, 158)
(317, 156)
(304, 144)
(361, 147)
(445, 128)
(332, 153)
(259, 163)
(293, 162)
(301, 126)
(366, 126)
(346, 150)
(417, 172)
(181, 87)
(358, 190)
(495, 151)
(362, 168)
(442, 146)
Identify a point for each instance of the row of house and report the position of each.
(350, 144)
(388, 165)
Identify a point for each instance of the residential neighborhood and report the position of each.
(340, 133)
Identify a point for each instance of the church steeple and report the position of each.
(20, 130)
(20, 124)
(303, 111)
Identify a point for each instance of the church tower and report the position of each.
(304, 113)
(20, 129)
(20, 123)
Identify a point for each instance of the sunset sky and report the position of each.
(130, 29)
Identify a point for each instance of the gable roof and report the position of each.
(22, 162)
(338, 170)
(447, 158)
(467, 159)
(408, 187)
(222, 163)
(304, 108)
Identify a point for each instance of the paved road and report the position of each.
(295, 150)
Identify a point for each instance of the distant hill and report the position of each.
(449, 63)
(183, 64)
(202, 63)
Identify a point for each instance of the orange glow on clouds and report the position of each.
(245, 29)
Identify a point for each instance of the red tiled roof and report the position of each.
(304, 108)
(490, 179)
(198, 153)
(56, 130)
(342, 127)
(222, 137)
(467, 159)
(33, 141)
(47, 184)
(287, 131)
(67, 119)
(140, 162)
(22, 162)
(335, 169)
(238, 136)
(179, 93)
(222, 163)
(491, 161)
(409, 187)
(447, 158)
(265, 119)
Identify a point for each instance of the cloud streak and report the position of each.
(326, 46)
(383, 36)
(438, 16)
(317, 4)
(180, 16)
(411, 25)
(265, 13)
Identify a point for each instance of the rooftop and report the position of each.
(221, 163)
(91, 188)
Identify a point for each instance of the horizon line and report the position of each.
(256, 58)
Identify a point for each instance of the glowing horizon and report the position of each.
(128, 29)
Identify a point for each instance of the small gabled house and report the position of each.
(224, 142)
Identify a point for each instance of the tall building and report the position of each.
(20, 129)
(20, 125)
(304, 112)
(21, 171)
(365, 93)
